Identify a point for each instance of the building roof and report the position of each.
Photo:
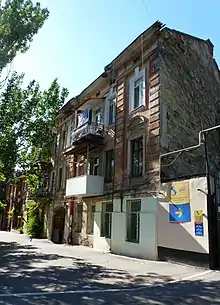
(155, 28)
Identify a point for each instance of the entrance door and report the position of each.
(58, 225)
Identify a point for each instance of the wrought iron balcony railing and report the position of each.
(90, 128)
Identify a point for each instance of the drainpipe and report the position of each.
(87, 160)
(113, 174)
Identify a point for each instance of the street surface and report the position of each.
(40, 272)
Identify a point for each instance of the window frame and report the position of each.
(112, 103)
(109, 165)
(69, 134)
(98, 116)
(129, 215)
(132, 152)
(138, 75)
(106, 214)
(64, 139)
(52, 181)
(94, 166)
(111, 96)
(60, 178)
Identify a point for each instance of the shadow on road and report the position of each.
(24, 269)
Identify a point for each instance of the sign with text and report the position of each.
(198, 223)
(199, 229)
(179, 202)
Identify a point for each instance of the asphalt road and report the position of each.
(43, 273)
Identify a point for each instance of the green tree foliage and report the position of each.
(2, 207)
(20, 20)
(34, 224)
(27, 118)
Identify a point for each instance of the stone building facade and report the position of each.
(15, 199)
(154, 97)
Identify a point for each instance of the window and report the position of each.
(52, 178)
(133, 220)
(106, 228)
(60, 178)
(94, 166)
(109, 170)
(79, 217)
(64, 140)
(98, 117)
(112, 111)
(90, 115)
(137, 91)
(70, 136)
(54, 146)
(83, 117)
(137, 157)
(82, 167)
(67, 172)
(90, 218)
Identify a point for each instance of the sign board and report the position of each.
(198, 215)
(198, 223)
(199, 229)
(179, 202)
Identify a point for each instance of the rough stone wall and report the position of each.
(190, 96)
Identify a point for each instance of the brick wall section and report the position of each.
(119, 133)
(190, 96)
(145, 122)
(154, 116)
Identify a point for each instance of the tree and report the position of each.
(20, 20)
(27, 118)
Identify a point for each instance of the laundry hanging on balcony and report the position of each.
(83, 118)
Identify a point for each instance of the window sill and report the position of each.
(141, 107)
(132, 241)
(110, 125)
(105, 236)
(136, 176)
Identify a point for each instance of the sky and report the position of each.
(81, 37)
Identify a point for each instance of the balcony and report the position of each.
(85, 186)
(90, 132)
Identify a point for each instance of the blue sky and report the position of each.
(82, 36)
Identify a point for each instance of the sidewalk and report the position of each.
(153, 272)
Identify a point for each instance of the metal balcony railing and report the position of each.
(90, 128)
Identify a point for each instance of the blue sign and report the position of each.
(199, 229)
(179, 205)
(179, 212)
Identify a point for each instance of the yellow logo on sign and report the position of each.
(179, 193)
(198, 215)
